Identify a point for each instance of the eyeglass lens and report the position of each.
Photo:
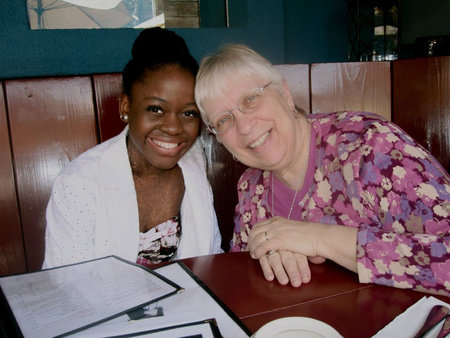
(247, 103)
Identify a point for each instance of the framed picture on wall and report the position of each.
(94, 14)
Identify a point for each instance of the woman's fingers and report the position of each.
(303, 266)
(260, 247)
(273, 268)
(275, 261)
(316, 259)
(291, 267)
(285, 267)
(266, 268)
(258, 234)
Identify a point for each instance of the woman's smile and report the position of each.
(260, 141)
(165, 145)
(168, 148)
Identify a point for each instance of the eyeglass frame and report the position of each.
(230, 112)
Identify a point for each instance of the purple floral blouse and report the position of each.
(365, 172)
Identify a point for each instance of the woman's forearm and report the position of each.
(338, 243)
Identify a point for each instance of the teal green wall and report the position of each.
(315, 31)
(430, 18)
(289, 31)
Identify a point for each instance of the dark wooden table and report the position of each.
(333, 296)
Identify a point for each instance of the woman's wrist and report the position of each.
(337, 243)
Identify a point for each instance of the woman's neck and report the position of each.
(294, 175)
(141, 167)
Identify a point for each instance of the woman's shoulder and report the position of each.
(347, 120)
(357, 127)
(87, 163)
(251, 178)
(252, 173)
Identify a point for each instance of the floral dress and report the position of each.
(160, 243)
(365, 172)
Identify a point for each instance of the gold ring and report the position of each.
(270, 252)
(265, 234)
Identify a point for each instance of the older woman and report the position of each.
(346, 186)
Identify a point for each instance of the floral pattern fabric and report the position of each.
(370, 175)
(160, 243)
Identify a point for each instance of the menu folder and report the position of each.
(203, 328)
(195, 312)
(63, 300)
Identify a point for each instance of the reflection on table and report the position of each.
(333, 296)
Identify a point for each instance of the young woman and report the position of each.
(142, 195)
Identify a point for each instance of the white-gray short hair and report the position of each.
(231, 60)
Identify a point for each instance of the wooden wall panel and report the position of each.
(351, 86)
(297, 77)
(52, 121)
(107, 92)
(421, 103)
(223, 173)
(12, 255)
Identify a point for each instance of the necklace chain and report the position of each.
(301, 175)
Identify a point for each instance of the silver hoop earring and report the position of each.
(234, 158)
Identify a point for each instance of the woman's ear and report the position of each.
(124, 107)
(287, 94)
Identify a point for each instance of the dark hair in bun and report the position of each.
(155, 48)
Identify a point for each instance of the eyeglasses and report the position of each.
(246, 104)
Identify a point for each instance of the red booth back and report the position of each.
(46, 122)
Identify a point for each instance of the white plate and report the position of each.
(290, 327)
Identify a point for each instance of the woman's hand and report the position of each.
(286, 267)
(316, 241)
(281, 234)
